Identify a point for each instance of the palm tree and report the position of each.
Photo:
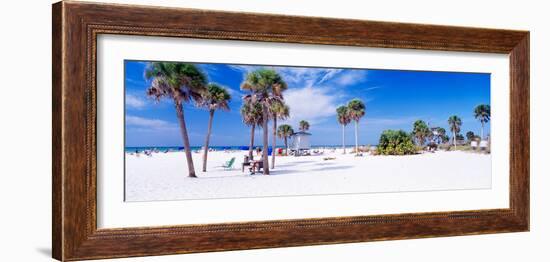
(342, 114)
(421, 131)
(356, 109)
(483, 114)
(441, 134)
(215, 97)
(470, 136)
(284, 132)
(266, 86)
(278, 110)
(304, 125)
(252, 115)
(454, 125)
(182, 83)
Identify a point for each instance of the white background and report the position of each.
(25, 106)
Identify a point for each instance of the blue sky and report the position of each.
(394, 100)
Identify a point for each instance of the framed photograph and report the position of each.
(182, 130)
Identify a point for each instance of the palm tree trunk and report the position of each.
(454, 139)
(185, 137)
(266, 143)
(205, 154)
(344, 138)
(482, 131)
(286, 146)
(251, 147)
(356, 140)
(274, 142)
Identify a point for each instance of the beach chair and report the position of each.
(229, 164)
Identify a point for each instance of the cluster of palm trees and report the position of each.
(185, 83)
(264, 102)
(482, 113)
(421, 131)
(353, 111)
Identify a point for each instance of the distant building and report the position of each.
(299, 143)
(435, 135)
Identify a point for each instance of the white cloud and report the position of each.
(148, 123)
(302, 76)
(310, 104)
(351, 77)
(296, 76)
(243, 68)
(136, 82)
(235, 94)
(330, 73)
(134, 102)
(322, 77)
(372, 88)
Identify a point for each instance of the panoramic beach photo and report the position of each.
(210, 131)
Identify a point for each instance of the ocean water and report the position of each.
(179, 148)
(218, 148)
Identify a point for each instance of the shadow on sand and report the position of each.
(295, 163)
(320, 167)
(331, 168)
(325, 164)
(276, 172)
(304, 172)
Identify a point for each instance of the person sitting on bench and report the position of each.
(256, 166)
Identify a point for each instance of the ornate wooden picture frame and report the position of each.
(76, 26)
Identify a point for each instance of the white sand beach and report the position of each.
(163, 176)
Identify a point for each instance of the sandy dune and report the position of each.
(163, 176)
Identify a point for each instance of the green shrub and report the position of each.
(396, 142)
